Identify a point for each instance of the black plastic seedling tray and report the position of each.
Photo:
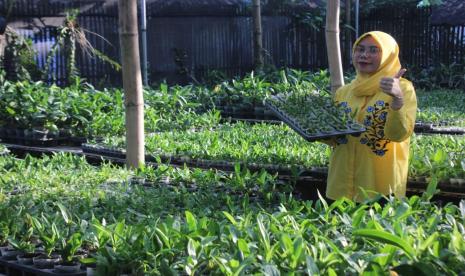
(13, 267)
(309, 137)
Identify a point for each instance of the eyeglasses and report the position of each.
(372, 50)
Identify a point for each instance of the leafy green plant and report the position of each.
(122, 254)
(192, 222)
(23, 241)
(307, 110)
(70, 34)
(71, 246)
(441, 156)
(47, 231)
(441, 107)
(439, 76)
(18, 60)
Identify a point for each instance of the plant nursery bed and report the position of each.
(103, 151)
(27, 137)
(13, 267)
(452, 185)
(77, 140)
(249, 116)
(421, 127)
(252, 121)
(448, 130)
(22, 149)
(93, 158)
(352, 128)
(179, 160)
(45, 142)
(442, 196)
(243, 115)
(308, 188)
(449, 189)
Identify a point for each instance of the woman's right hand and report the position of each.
(391, 86)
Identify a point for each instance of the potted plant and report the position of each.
(49, 236)
(52, 130)
(70, 246)
(27, 250)
(6, 250)
(23, 242)
(9, 253)
(90, 264)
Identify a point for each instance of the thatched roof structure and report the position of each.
(450, 12)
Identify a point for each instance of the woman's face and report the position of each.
(367, 55)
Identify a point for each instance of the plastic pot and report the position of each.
(44, 261)
(72, 267)
(26, 258)
(9, 253)
(39, 134)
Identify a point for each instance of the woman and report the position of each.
(377, 160)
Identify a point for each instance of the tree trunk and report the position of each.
(2, 36)
(132, 83)
(333, 45)
(2, 45)
(257, 36)
(70, 59)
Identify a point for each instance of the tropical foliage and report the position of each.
(165, 220)
(439, 155)
(442, 107)
(204, 222)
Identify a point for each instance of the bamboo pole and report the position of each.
(2, 35)
(2, 45)
(333, 45)
(132, 83)
(348, 33)
(257, 37)
(357, 21)
(143, 30)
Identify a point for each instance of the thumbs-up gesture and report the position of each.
(391, 86)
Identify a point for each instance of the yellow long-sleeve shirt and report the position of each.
(377, 160)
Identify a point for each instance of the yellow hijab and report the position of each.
(368, 85)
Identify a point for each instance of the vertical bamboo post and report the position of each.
(2, 35)
(132, 83)
(2, 45)
(143, 30)
(348, 33)
(333, 44)
(257, 36)
(357, 20)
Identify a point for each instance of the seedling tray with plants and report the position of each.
(97, 210)
(313, 115)
(14, 267)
